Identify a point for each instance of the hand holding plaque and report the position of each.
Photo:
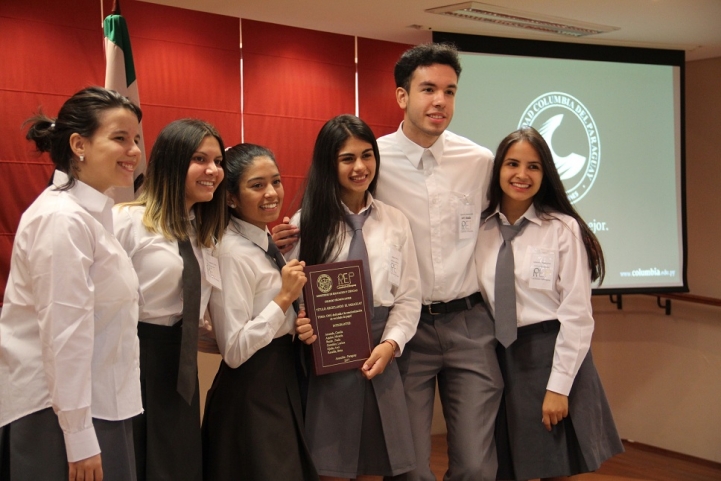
(335, 300)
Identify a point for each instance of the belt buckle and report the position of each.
(430, 309)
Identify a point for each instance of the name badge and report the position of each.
(542, 267)
(212, 271)
(394, 266)
(466, 229)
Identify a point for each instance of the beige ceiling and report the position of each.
(690, 25)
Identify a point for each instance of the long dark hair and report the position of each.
(164, 189)
(321, 215)
(79, 114)
(551, 196)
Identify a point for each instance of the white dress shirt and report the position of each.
(386, 231)
(245, 316)
(159, 266)
(68, 331)
(433, 187)
(565, 296)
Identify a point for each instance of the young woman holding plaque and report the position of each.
(169, 233)
(554, 419)
(69, 377)
(357, 424)
(253, 423)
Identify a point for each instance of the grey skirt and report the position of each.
(33, 448)
(579, 443)
(359, 427)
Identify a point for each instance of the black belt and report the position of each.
(545, 326)
(147, 330)
(456, 305)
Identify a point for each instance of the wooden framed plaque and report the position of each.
(335, 302)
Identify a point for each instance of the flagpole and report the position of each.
(120, 76)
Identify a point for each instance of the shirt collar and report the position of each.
(255, 235)
(413, 151)
(530, 214)
(95, 202)
(375, 213)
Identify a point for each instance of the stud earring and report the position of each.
(82, 158)
(231, 205)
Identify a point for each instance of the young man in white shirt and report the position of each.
(439, 180)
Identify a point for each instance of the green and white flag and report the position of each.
(120, 76)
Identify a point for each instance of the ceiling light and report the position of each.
(508, 17)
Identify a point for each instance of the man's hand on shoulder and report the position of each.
(285, 235)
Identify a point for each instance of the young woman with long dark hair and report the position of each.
(357, 422)
(554, 419)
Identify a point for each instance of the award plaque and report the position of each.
(335, 302)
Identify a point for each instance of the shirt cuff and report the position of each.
(275, 313)
(560, 383)
(81, 444)
(397, 336)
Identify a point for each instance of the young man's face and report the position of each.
(429, 103)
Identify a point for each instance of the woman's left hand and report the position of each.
(304, 329)
(555, 408)
(379, 359)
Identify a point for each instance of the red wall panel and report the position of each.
(187, 64)
(294, 81)
(376, 87)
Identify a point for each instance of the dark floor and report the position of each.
(639, 462)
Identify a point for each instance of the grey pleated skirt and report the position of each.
(579, 443)
(360, 427)
(33, 448)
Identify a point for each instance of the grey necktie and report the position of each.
(188, 363)
(357, 249)
(275, 254)
(505, 287)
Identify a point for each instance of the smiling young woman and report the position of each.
(182, 204)
(253, 423)
(68, 342)
(554, 419)
(356, 421)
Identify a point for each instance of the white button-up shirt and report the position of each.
(159, 266)
(433, 187)
(245, 316)
(567, 294)
(68, 331)
(386, 231)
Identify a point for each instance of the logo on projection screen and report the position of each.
(571, 133)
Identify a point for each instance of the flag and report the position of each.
(120, 76)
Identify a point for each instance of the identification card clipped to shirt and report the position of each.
(394, 266)
(211, 269)
(542, 267)
(466, 229)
